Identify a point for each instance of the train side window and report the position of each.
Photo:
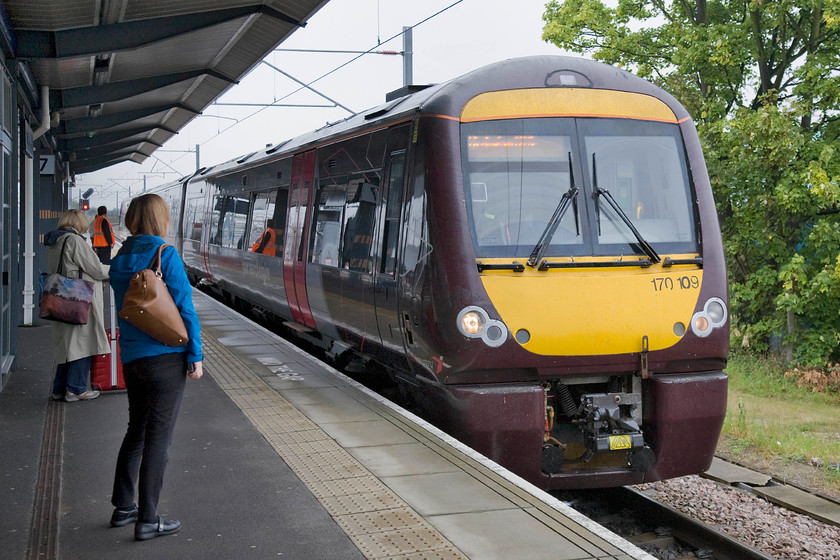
(173, 199)
(281, 208)
(364, 153)
(391, 225)
(193, 213)
(329, 210)
(232, 212)
(415, 232)
(192, 219)
(358, 226)
(260, 239)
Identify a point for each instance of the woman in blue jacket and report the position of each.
(155, 374)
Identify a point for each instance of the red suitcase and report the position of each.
(103, 376)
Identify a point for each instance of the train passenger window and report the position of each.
(281, 207)
(329, 209)
(172, 196)
(230, 214)
(415, 232)
(390, 227)
(344, 221)
(193, 214)
(362, 153)
(358, 226)
(263, 236)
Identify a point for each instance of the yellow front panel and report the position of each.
(565, 102)
(595, 311)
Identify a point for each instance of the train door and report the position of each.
(386, 294)
(7, 241)
(295, 251)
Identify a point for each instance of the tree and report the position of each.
(761, 79)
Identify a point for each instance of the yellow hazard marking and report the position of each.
(620, 442)
(566, 102)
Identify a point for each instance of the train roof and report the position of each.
(448, 98)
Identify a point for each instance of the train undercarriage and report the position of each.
(591, 424)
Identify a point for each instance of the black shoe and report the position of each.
(146, 531)
(122, 517)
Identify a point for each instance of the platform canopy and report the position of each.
(126, 75)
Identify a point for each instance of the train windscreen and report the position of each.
(517, 172)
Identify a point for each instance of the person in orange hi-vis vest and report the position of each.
(267, 243)
(103, 236)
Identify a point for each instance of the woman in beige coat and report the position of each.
(75, 344)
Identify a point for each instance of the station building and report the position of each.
(86, 84)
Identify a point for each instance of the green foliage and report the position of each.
(770, 415)
(760, 78)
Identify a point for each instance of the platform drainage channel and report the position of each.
(380, 523)
(43, 536)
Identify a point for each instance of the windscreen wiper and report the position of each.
(649, 251)
(548, 233)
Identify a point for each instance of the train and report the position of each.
(530, 251)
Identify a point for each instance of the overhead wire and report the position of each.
(334, 70)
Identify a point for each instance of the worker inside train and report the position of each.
(267, 243)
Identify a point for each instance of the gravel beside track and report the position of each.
(776, 531)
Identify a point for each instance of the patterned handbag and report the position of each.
(66, 300)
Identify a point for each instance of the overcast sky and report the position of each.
(470, 34)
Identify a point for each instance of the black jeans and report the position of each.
(155, 388)
(104, 254)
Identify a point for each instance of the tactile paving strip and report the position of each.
(380, 523)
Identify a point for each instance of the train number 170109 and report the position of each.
(669, 283)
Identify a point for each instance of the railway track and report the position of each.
(658, 529)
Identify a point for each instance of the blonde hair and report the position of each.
(148, 214)
(73, 219)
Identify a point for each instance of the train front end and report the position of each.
(592, 325)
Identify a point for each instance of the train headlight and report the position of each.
(716, 310)
(474, 322)
(713, 315)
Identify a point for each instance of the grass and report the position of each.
(789, 431)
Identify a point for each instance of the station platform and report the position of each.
(275, 455)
